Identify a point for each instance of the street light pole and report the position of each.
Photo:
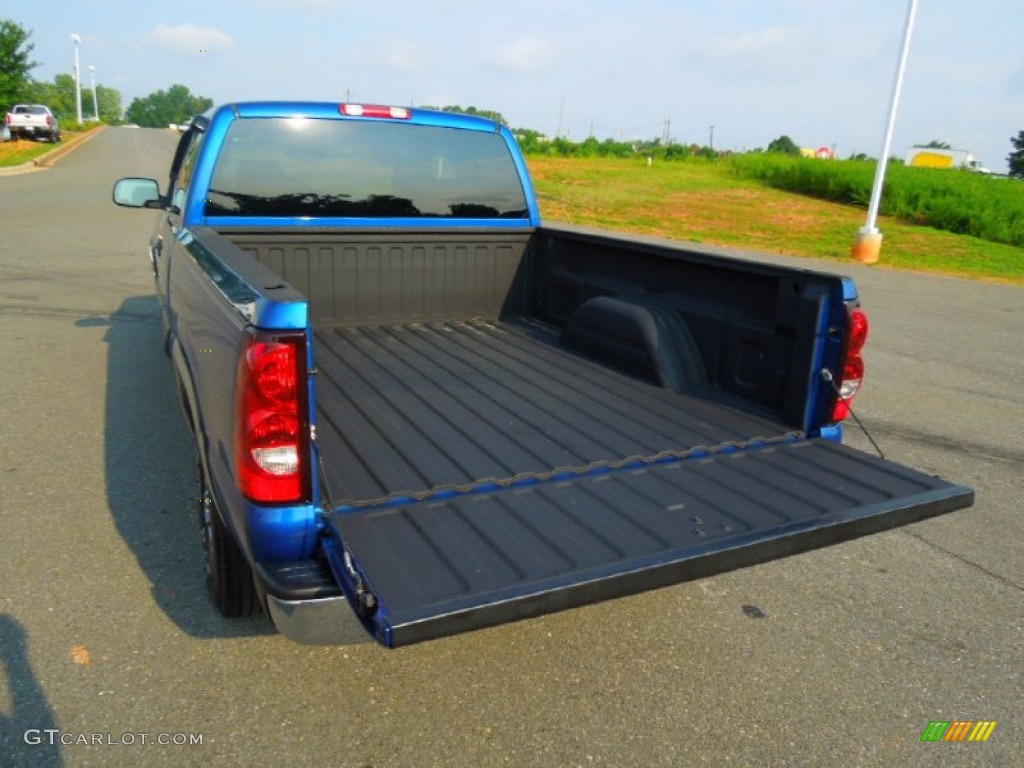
(868, 244)
(95, 101)
(76, 39)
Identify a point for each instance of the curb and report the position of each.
(50, 158)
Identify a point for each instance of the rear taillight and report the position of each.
(851, 374)
(272, 414)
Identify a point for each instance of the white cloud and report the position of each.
(527, 55)
(190, 39)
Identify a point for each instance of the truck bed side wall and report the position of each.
(218, 291)
(755, 324)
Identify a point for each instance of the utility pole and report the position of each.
(76, 39)
(868, 244)
(711, 137)
(95, 100)
(561, 115)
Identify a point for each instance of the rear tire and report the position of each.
(228, 575)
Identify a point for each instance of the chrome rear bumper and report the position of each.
(320, 621)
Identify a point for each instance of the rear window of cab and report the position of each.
(307, 167)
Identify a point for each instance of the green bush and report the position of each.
(988, 207)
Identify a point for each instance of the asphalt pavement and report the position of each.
(842, 656)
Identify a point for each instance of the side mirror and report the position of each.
(139, 193)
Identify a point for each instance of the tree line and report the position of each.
(177, 104)
(157, 110)
(18, 87)
(162, 108)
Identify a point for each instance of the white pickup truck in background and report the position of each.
(32, 121)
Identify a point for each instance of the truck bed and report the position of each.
(512, 423)
(407, 409)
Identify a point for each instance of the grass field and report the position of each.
(18, 152)
(989, 207)
(707, 201)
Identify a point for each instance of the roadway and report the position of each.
(836, 657)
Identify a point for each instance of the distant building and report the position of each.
(821, 153)
(934, 157)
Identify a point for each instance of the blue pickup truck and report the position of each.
(417, 405)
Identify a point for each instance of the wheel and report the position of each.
(228, 575)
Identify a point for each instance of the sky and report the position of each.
(735, 73)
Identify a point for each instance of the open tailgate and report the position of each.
(436, 568)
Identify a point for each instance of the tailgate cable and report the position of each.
(826, 374)
(325, 488)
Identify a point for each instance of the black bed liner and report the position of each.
(409, 409)
(403, 409)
